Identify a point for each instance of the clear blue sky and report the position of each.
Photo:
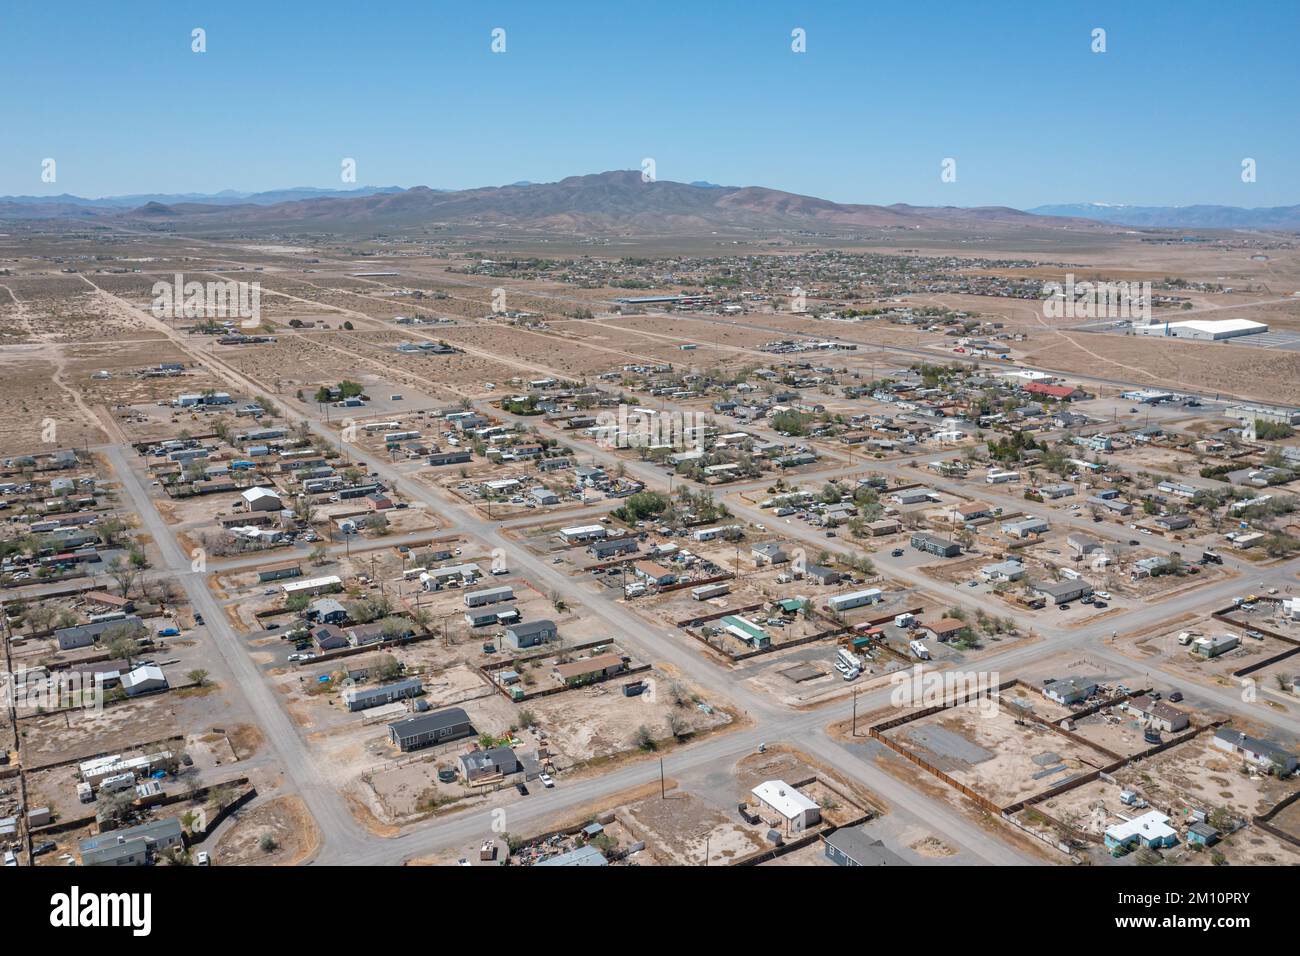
(710, 90)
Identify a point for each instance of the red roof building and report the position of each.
(1062, 393)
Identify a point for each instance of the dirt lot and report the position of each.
(1002, 761)
(278, 832)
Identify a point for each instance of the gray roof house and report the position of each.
(359, 698)
(1256, 750)
(134, 846)
(1070, 690)
(530, 633)
(849, 846)
(83, 635)
(479, 764)
(425, 729)
(1062, 592)
(327, 611)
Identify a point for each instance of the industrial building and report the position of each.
(1203, 330)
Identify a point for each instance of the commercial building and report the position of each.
(1203, 330)
(587, 532)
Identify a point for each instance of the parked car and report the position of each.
(202, 859)
(523, 791)
(46, 846)
(546, 780)
(896, 553)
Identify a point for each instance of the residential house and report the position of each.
(820, 574)
(329, 637)
(1173, 522)
(785, 808)
(145, 679)
(768, 553)
(1158, 713)
(486, 766)
(84, 635)
(850, 846)
(1025, 527)
(424, 730)
(933, 544)
(530, 634)
(1062, 592)
(261, 499)
(613, 547)
(1151, 830)
(363, 697)
(1003, 572)
(327, 611)
(133, 846)
(589, 669)
(653, 573)
(1069, 690)
(1263, 754)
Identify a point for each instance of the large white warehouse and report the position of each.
(1205, 330)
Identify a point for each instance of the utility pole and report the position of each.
(663, 793)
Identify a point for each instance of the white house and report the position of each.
(261, 499)
(789, 808)
(143, 680)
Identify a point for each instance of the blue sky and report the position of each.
(711, 91)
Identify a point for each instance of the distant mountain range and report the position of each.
(1179, 217)
(44, 207)
(610, 203)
